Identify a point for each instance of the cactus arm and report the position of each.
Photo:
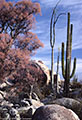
(58, 17)
(51, 31)
(52, 42)
(54, 29)
(62, 60)
(74, 68)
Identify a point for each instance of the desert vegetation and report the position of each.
(26, 84)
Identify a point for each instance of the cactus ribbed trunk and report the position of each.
(67, 78)
(68, 55)
(67, 70)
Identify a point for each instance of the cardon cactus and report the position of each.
(67, 71)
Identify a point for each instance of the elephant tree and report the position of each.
(66, 72)
(17, 42)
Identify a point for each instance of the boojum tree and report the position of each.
(54, 19)
(66, 71)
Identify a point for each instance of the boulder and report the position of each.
(43, 87)
(45, 69)
(69, 103)
(37, 90)
(54, 112)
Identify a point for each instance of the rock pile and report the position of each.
(37, 104)
(17, 108)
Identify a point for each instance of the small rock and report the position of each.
(14, 114)
(35, 103)
(24, 103)
(6, 103)
(34, 96)
(26, 112)
(1, 97)
(2, 94)
(16, 106)
(6, 116)
(4, 113)
(3, 85)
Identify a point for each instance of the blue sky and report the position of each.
(43, 26)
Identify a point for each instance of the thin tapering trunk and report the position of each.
(57, 83)
(52, 67)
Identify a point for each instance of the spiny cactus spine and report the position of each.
(66, 70)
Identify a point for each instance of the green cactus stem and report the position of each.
(66, 71)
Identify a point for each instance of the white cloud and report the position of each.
(75, 8)
(79, 69)
(71, 2)
(47, 61)
(79, 65)
(42, 27)
(52, 3)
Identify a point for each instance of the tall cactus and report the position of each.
(66, 72)
(54, 19)
(52, 42)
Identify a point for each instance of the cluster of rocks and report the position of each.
(41, 105)
(16, 108)
(34, 109)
